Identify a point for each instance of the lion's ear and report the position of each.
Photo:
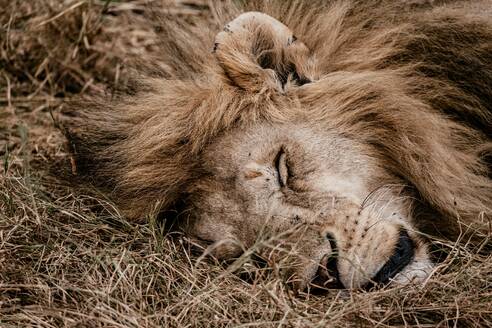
(257, 52)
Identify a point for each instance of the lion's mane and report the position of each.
(412, 81)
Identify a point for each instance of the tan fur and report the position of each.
(409, 85)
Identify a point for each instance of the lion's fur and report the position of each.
(412, 81)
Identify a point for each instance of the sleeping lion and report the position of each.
(332, 137)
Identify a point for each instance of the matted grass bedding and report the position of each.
(68, 258)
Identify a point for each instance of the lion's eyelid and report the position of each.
(281, 167)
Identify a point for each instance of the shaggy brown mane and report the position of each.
(415, 82)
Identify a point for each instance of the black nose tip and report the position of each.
(328, 276)
(403, 254)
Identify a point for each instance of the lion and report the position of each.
(337, 135)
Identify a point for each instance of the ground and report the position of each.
(68, 258)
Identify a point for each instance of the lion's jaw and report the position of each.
(311, 202)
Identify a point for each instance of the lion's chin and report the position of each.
(417, 272)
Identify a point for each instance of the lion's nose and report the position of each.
(403, 254)
(328, 275)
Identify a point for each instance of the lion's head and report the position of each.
(330, 150)
(317, 202)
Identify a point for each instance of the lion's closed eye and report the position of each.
(282, 168)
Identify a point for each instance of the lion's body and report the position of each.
(388, 94)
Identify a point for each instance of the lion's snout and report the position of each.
(336, 268)
(349, 250)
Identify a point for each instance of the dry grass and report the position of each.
(67, 258)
